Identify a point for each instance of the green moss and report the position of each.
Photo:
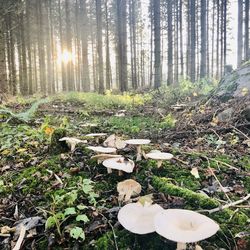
(126, 240)
(57, 146)
(197, 200)
(245, 162)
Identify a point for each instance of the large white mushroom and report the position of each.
(120, 164)
(138, 143)
(127, 189)
(102, 157)
(102, 150)
(72, 142)
(159, 157)
(184, 226)
(138, 218)
(97, 136)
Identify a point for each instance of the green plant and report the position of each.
(64, 207)
(214, 140)
(24, 116)
(168, 121)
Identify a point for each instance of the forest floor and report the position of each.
(66, 200)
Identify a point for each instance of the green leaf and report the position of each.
(82, 217)
(81, 207)
(59, 216)
(50, 222)
(77, 233)
(69, 211)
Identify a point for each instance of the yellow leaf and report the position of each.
(195, 173)
(214, 122)
(244, 91)
(21, 150)
(5, 152)
(146, 200)
(48, 130)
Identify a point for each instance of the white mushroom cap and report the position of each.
(119, 164)
(137, 141)
(72, 142)
(184, 226)
(159, 156)
(102, 149)
(128, 188)
(137, 218)
(96, 135)
(102, 157)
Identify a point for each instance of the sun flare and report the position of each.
(65, 57)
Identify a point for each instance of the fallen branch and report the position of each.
(20, 239)
(232, 204)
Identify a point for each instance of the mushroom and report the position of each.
(127, 189)
(138, 218)
(120, 164)
(97, 136)
(103, 150)
(138, 143)
(184, 226)
(159, 157)
(72, 142)
(115, 142)
(102, 157)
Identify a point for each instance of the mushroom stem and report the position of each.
(138, 155)
(97, 140)
(159, 163)
(109, 170)
(120, 173)
(181, 246)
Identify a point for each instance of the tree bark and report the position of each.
(203, 63)
(157, 43)
(240, 33)
(99, 45)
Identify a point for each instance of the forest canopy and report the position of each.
(51, 46)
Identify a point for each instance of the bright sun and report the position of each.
(65, 57)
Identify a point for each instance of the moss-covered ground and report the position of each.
(41, 177)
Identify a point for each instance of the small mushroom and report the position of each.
(138, 218)
(127, 189)
(97, 136)
(102, 157)
(115, 142)
(159, 157)
(184, 226)
(103, 150)
(72, 142)
(138, 143)
(120, 164)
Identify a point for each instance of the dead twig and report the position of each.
(232, 204)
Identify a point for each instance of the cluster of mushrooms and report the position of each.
(143, 217)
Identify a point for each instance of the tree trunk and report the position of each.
(240, 35)
(99, 45)
(246, 30)
(84, 39)
(203, 63)
(108, 66)
(3, 72)
(122, 43)
(41, 54)
(69, 64)
(170, 42)
(157, 43)
(193, 40)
